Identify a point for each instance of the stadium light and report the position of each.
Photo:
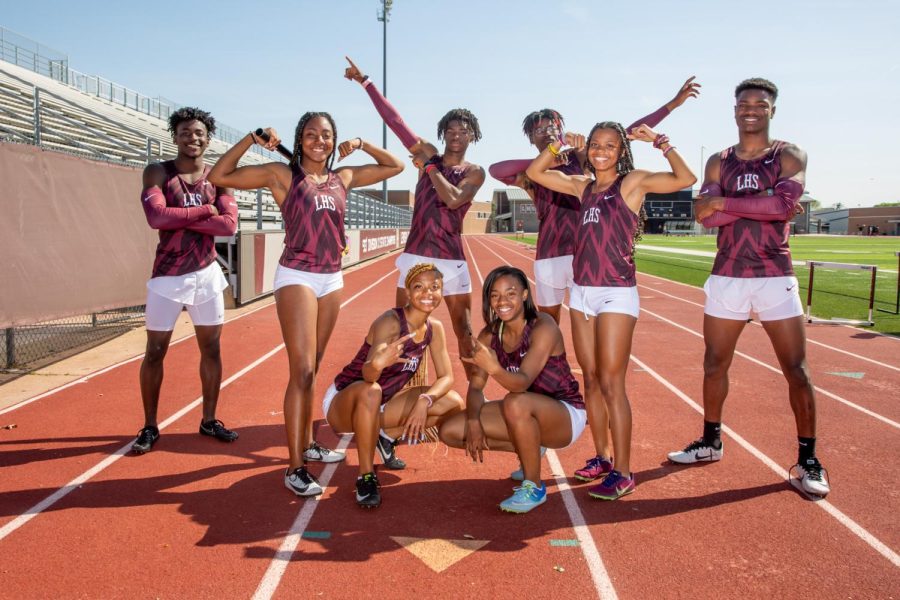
(384, 15)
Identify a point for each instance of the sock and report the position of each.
(807, 449)
(385, 436)
(712, 434)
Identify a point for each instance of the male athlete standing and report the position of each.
(750, 193)
(189, 212)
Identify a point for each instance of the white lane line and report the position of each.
(282, 558)
(141, 355)
(824, 392)
(109, 460)
(829, 508)
(602, 581)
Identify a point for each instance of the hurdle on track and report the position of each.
(896, 310)
(812, 264)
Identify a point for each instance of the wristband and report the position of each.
(553, 151)
(660, 140)
(669, 149)
(429, 167)
(253, 137)
(366, 82)
(427, 397)
(360, 143)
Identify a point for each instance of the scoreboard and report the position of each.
(669, 209)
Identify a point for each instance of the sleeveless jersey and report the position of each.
(314, 222)
(393, 377)
(554, 380)
(436, 229)
(558, 215)
(748, 248)
(603, 248)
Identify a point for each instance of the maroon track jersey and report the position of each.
(393, 377)
(182, 251)
(558, 215)
(436, 229)
(313, 214)
(748, 248)
(554, 380)
(605, 240)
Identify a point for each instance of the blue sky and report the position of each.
(837, 65)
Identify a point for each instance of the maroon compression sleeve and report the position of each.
(160, 216)
(225, 224)
(651, 120)
(508, 170)
(390, 115)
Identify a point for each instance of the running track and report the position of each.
(79, 517)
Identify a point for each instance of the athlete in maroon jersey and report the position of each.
(604, 298)
(523, 351)
(447, 185)
(188, 211)
(750, 192)
(312, 198)
(558, 213)
(369, 393)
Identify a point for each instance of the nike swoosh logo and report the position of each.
(460, 265)
(361, 498)
(789, 288)
(522, 354)
(770, 161)
(608, 197)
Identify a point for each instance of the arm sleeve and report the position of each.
(777, 207)
(160, 216)
(225, 224)
(651, 120)
(718, 219)
(390, 115)
(508, 170)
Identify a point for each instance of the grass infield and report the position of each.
(836, 292)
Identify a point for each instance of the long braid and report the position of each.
(624, 166)
(297, 155)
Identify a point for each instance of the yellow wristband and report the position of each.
(553, 151)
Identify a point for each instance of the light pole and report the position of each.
(384, 15)
(701, 173)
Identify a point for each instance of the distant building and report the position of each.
(401, 198)
(511, 205)
(857, 221)
(478, 219)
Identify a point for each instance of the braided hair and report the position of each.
(490, 317)
(462, 115)
(624, 166)
(297, 155)
(535, 117)
(191, 113)
(420, 268)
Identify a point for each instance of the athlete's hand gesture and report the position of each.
(643, 133)
(348, 147)
(353, 73)
(690, 89)
(386, 354)
(575, 140)
(483, 357)
(273, 142)
(414, 426)
(476, 443)
(706, 206)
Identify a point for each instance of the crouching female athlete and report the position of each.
(368, 394)
(523, 350)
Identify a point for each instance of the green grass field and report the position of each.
(836, 292)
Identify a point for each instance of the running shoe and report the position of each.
(698, 451)
(317, 453)
(519, 474)
(146, 437)
(813, 477)
(217, 430)
(614, 486)
(386, 448)
(367, 494)
(525, 497)
(301, 482)
(594, 468)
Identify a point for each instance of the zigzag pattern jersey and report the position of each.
(182, 251)
(748, 248)
(603, 246)
(436, 229)
(555, 379)
(558, 215)
(393, 377)
(313, 214)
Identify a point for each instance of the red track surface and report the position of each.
(196, 518)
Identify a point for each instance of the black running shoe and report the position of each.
(301, 482)
(388, 455)
(146, 437)
(217, 430)
(367, 494)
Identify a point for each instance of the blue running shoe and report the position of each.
(525, 497)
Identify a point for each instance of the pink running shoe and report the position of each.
(614, 486)
(594, 468)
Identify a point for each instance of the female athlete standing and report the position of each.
(604, 296)
(312, 198)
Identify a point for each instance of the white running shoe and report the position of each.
(301, 482)
(317, 453)
(813, 477)
(697, 451)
